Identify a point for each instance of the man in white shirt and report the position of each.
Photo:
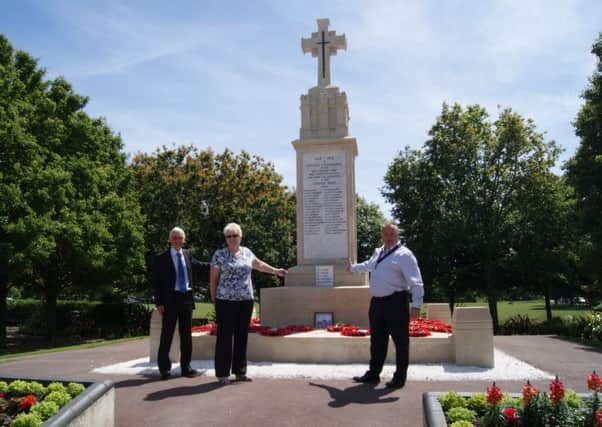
(393, 273)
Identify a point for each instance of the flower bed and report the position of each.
(533, 408)
(255, 326)
(418, 328)
(26, 402)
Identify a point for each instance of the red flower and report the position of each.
(556, 391)
(510, 415)
(27, 401)
(599, 417)
(529, 392)
(494, 394)
(594, 382)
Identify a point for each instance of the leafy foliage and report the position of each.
(535, 409)
(75, 389)
(69, 220)
(478, 175)
(202, 191)
(369, 222)
(61, 398)
(26, 420)
(584, 170)
(29, 403)
(45, 410)
(452, 399)
(460, 414)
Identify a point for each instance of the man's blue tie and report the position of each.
(181, 273)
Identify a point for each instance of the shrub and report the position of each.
(61, 398)
(452, 400)
(559, 408)
(83, 318)
(572, 399)
(508, 400)
(18, 388)
(462, 424)
(572, 326)
(477, 402)
(39, 403)
(26, 420)
(460, 414)
(45, 410)
(75, 388)
(593, 326)
(56, 386)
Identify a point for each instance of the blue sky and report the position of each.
(229, 74)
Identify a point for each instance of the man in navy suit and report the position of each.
(175, 301)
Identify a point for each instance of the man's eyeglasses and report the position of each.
(232, 236)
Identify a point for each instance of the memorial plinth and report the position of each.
(463, 346)
(326, 219)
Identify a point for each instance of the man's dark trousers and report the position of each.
(179, 310)
(390, 316)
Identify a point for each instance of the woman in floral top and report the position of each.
(232, 293)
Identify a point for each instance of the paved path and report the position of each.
(147, 401)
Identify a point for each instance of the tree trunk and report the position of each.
(491, 292)
(3, 310)
(546, 294)
(452, 297)
(50, 294)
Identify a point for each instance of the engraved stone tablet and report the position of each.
(324, 206)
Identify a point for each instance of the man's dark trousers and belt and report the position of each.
(389, 315)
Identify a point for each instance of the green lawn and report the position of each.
(535, 309)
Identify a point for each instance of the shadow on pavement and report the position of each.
(182, 391)
(578, 345)
(362, 393)
(135, 382)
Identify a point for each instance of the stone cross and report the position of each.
(323, 44)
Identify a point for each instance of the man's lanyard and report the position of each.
(383, 255)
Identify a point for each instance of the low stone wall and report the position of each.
(94, 407)
(470, 344)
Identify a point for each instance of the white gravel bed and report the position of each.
(506, 368)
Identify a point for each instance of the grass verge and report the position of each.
(91, 344)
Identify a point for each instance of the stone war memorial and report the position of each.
(326, 221)
(317, 291)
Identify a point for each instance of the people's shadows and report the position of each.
(134, 382)
(182, 391)
(362, 393)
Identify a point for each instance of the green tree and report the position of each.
(544, 239)
(69, 220)
(202, 191)
(584, 170)
(369, 222)
(458, 200)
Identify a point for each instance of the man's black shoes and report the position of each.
(165, 375)
(190, 373)
(396, 382)
(367, 378)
